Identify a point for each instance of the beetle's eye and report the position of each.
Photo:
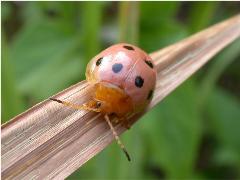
(98, 104)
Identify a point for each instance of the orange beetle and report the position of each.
(124, 78)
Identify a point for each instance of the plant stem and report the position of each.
(129, 21)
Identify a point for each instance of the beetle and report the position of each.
(124, 79)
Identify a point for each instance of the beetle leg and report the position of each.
(125, 122)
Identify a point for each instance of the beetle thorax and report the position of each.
(113, 99)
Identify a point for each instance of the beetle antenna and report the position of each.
(117, 137)
(75, 106)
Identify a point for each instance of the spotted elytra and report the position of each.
(124, 78)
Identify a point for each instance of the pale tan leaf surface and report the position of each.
(52, 141)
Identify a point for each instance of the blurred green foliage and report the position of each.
(193, 133)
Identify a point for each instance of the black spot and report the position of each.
(139, 81)
(99, 61)
(117, 67)
(149, 63)
(129, 48)
(150, 95)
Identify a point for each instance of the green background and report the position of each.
(193, 133)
